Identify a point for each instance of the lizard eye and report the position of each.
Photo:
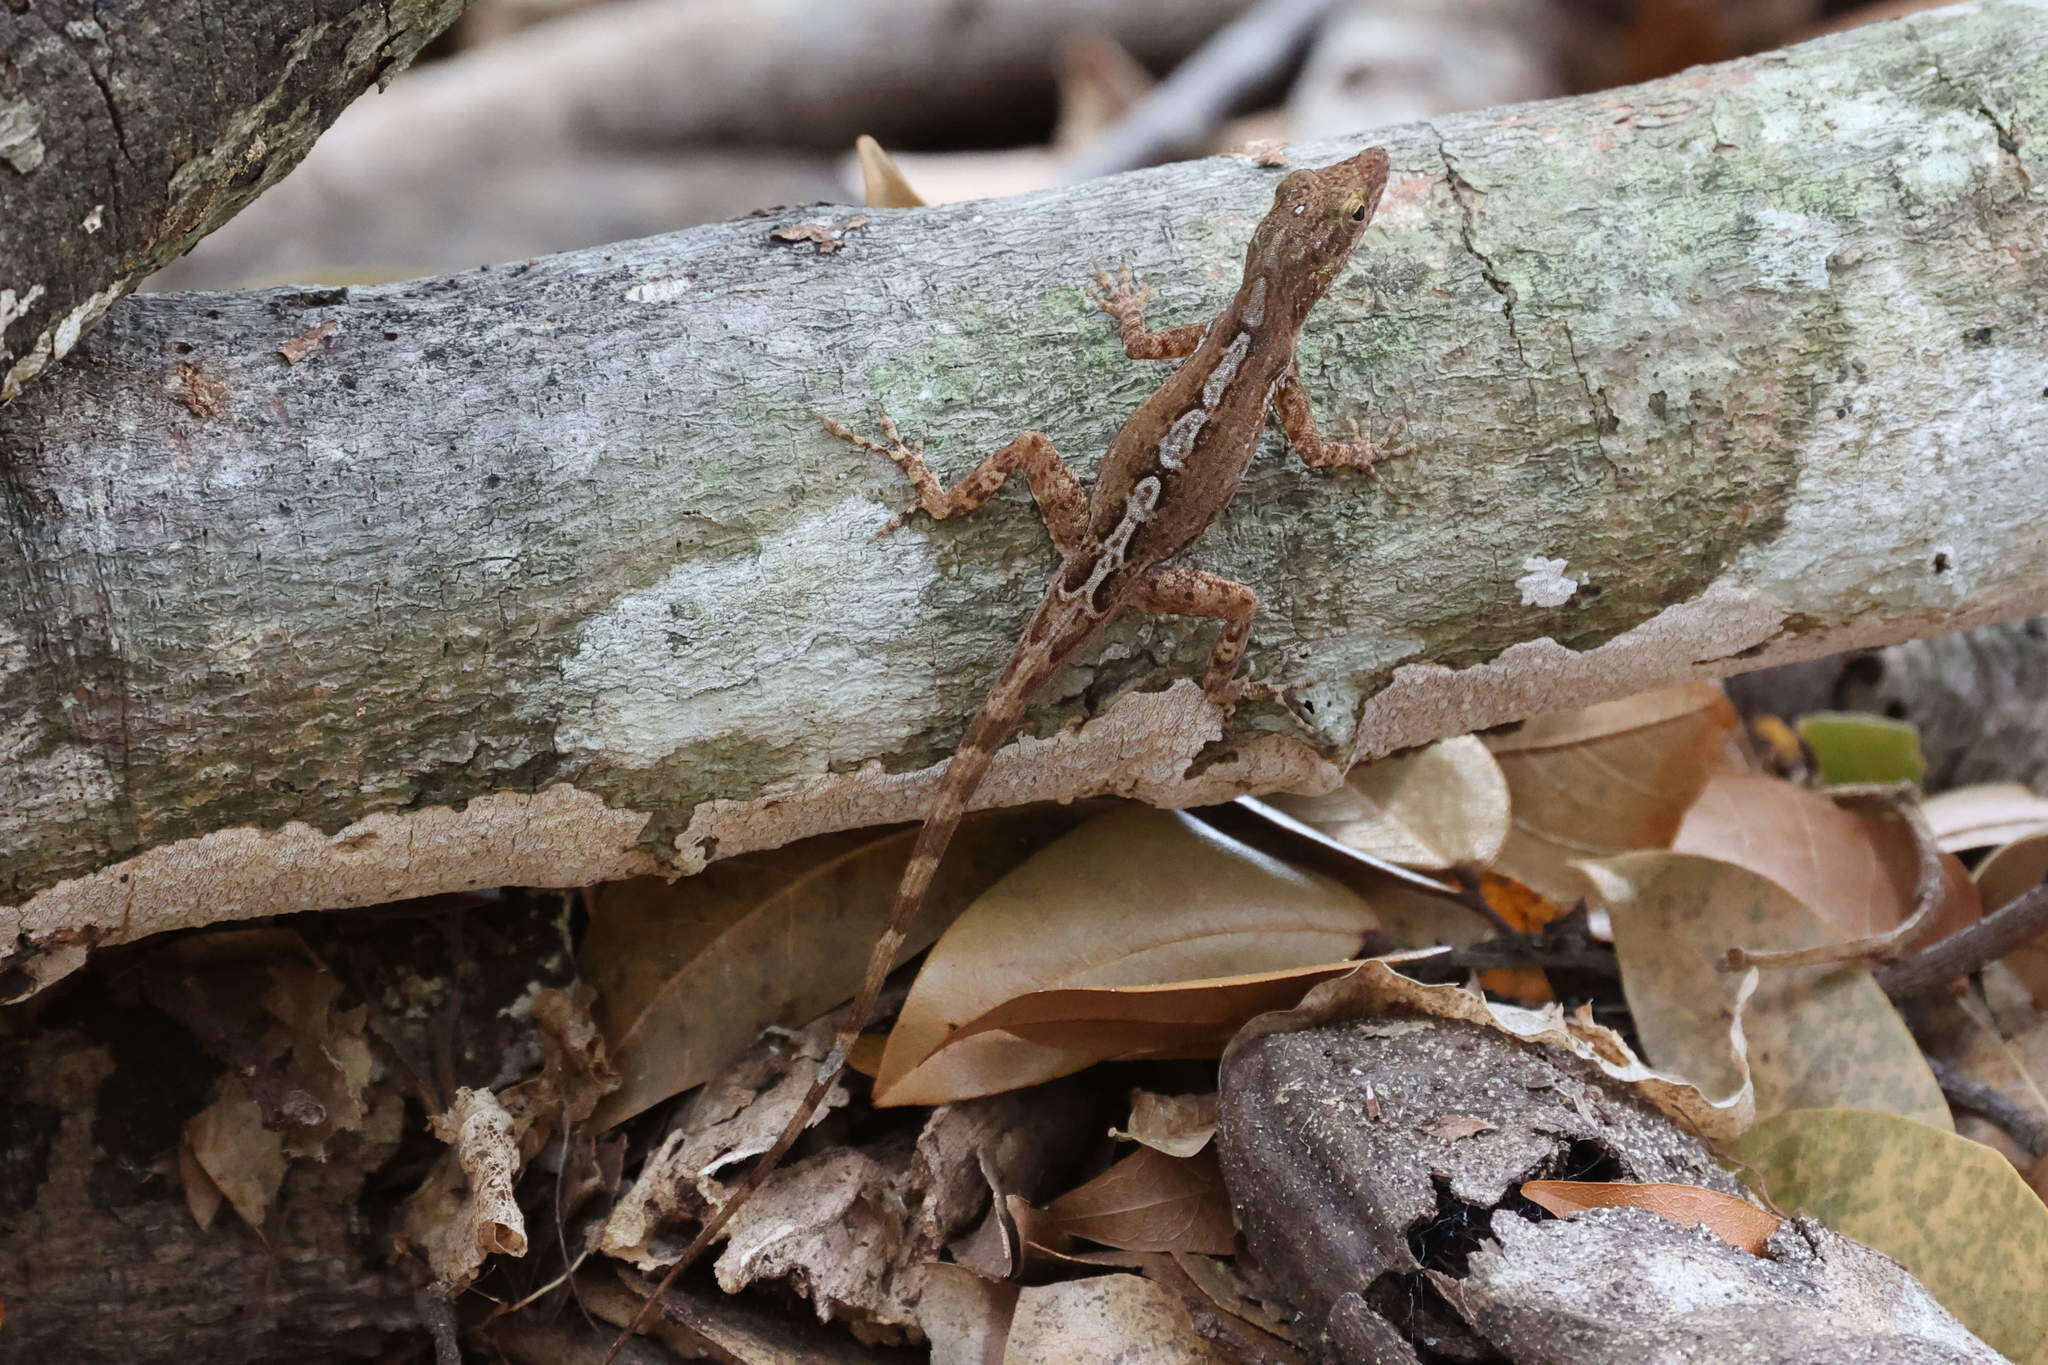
(1358, 214)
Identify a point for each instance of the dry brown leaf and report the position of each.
(1089, 928)
(1440, 807)
(965, 1316)
(1985, 815)
(241, 1158)
(688, 974)
(2012, 871)
(738, 1114)
(1106, 1320)
(1076, 1028)
(1858, 873)
(575, 1073)
(1814, 1035)
(1223, 1285)
(1735, 1221)
(465, 1210)
(1178, 1125)
(1150, 1201)
(1606, 779)
(882, 184)
(2007, 874)
(1451, 1127)
(305, 343)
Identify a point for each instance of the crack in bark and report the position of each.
(1461, 192)
(2007, 135)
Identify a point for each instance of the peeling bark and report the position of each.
(128, 132)
(546, 573)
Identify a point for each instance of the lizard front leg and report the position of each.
(1298, 420)
(1061, 500)
(1124, 299)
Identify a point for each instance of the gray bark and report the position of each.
(128, 132)
(546, 574)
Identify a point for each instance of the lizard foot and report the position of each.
(1231, 695)
(1122, 297)
(907, 458)
(1362, 450)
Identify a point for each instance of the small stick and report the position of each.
(1968, 949)
(2025, 1127)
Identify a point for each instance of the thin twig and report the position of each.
(1968, 949)
(1903, 800)
(2025, 1126)
(1180, 113)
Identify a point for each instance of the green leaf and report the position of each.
(1848, 747)
(1950, 1210)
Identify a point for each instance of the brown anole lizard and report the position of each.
(1170, 472)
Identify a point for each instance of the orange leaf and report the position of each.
(1150, 1201)
(1735, 1221)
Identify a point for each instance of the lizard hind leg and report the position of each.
(1178, 591)
(1059, 495)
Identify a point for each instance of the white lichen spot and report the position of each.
(95, 220)
(793, 650)
(21, 135)
(13, 307)
(1255, 306)
(1544, 583)
(665, 289)
(1791, 250)
(78, 319)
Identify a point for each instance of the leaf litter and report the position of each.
(1082, 973)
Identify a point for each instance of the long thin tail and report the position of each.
(1000, 716)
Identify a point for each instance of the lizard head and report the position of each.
(1316, 218)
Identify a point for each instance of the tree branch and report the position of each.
(546, 574)
(131, 131)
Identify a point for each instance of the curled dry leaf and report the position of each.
(1375, 988)
(1126, 1319)
(1440, 807)
(1815, 1035)
(688, 974)
(1735, 1221)
(1985, 815)
(1150, 1201)
(1953, 1212)
(1606, 779)
(1858, 873)
(1104, 930)
(465, 1210)
(1178, 1125)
